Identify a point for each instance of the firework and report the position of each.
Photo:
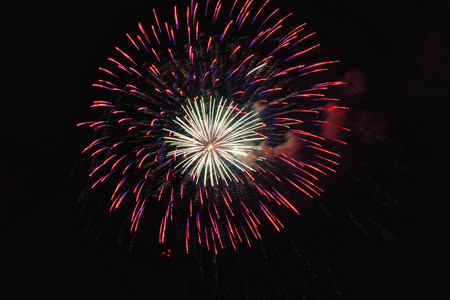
(218, 118)
(213, 140)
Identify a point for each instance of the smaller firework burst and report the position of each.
(214, 140)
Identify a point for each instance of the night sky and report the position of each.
(52, 56)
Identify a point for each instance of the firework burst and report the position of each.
(214, 139)
(218, 118)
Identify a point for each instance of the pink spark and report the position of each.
(167, 30)
(259, 11)
(301, 52)
(274, 220)
(176, 16)
(115, 164)
(264, 22)
(132, 41)
(144, 33)
(156, 55)
(209, 43)
(225, 30)
(216, 11)
(154, 33)
(142, 42)
(126, 55)
(156, 18)
(107, 71)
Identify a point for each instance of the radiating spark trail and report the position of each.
(211, 137)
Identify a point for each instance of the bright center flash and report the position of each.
(214, 138)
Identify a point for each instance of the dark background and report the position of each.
(52, 53)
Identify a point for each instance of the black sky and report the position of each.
(53, 53)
